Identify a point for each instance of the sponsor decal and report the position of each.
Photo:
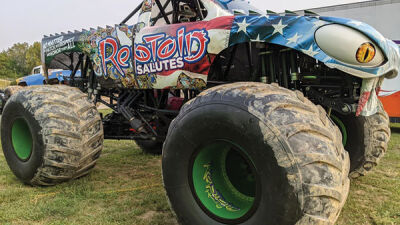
(161, 53)
(157, 53)
(57, 45)
(112, 53)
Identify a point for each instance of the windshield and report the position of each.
(237, 5)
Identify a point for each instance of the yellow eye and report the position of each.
(349, 46)
(365, 53)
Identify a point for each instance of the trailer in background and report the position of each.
(390, 97)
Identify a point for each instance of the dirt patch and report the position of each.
(148, 215)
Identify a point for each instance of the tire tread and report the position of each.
(64, 114)
(292, 116)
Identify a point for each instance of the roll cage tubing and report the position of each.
(164, 14)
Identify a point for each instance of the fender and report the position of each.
(298, 32)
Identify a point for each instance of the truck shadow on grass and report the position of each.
(395, 130)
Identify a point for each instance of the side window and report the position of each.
(177, 11)
(36, 71)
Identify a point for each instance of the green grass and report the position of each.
(126, 188)
(375, 198)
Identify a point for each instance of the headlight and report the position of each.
(348, 46)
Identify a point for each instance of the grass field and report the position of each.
(126, 188)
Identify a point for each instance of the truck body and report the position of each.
(154, 54)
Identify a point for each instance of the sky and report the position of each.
(28, 20)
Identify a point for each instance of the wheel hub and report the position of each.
(21, 139)
(224, 180)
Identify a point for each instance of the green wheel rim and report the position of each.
(342, 128)
(21, 139)
(224, 180)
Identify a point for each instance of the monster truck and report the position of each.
(256, 114)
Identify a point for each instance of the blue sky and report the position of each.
(29, 20)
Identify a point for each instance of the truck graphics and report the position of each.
(161, 53)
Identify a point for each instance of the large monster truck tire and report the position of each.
(50, 134)
(366, 139)
(150, 146)
(252, 153)
(2, 101)
(6, 94)
(10, 90)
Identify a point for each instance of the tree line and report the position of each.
(19, 60)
